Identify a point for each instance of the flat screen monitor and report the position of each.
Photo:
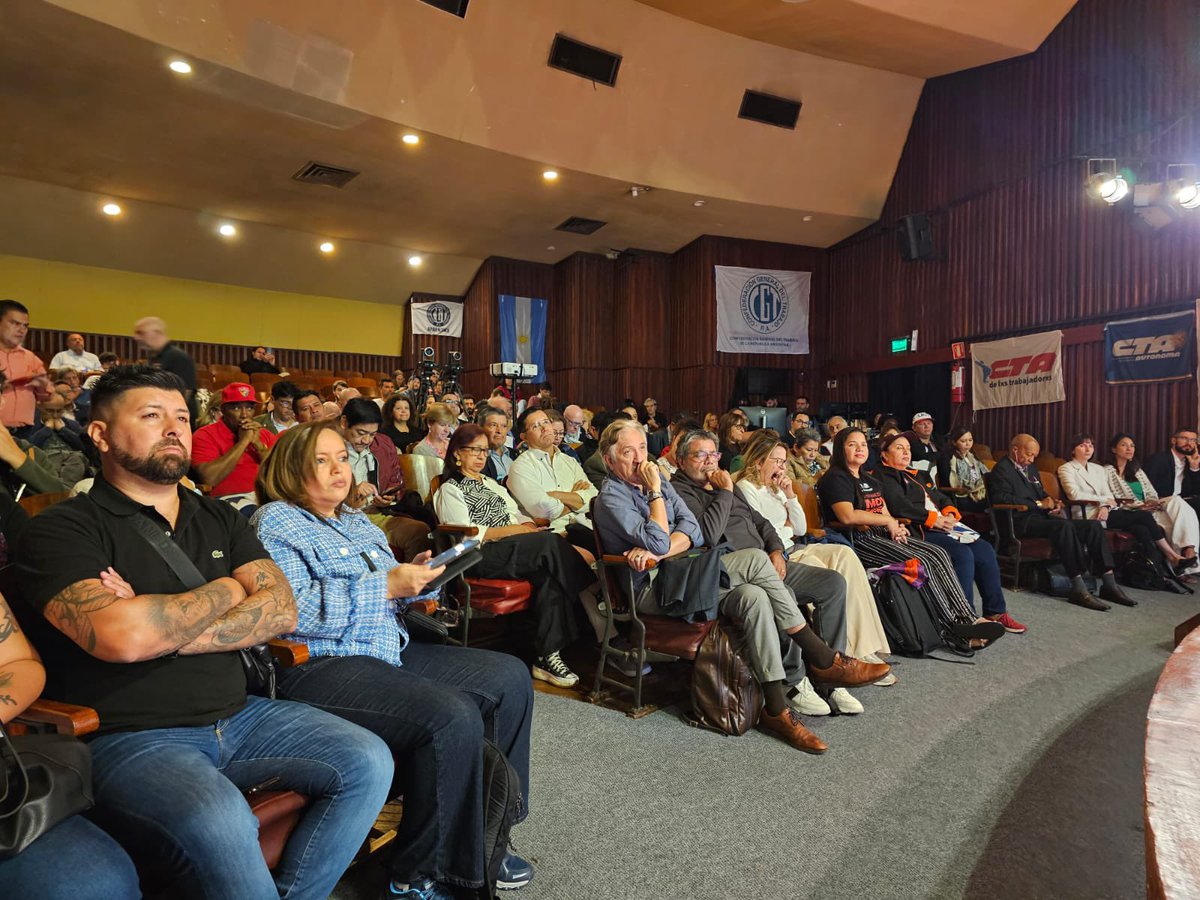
(775, 417)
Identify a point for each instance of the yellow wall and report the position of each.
(109, 301)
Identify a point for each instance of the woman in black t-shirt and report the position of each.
(850, 497)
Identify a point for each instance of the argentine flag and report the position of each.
(523, 331)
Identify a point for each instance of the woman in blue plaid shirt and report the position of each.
(433, 704)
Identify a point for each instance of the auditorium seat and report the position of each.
(348, 373)
(419, 471)
(328, 372)
(488, 597)
(982, 452)
(672, 637)
(263, 381)
(377, 376)
(1013, 552)
(807, 495)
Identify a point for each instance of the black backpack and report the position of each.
(501, 804)
(910, 629)
(1145, 572)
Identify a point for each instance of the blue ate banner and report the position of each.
(1156, 348)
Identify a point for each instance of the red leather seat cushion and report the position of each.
(499, 597)
(278, 813)
(675, 636)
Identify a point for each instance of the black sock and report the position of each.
(774, 697)
(814, 650)
(1077, 584)
(1109, 581)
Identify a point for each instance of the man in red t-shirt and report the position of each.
(227, 453)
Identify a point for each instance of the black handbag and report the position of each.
(47, 778)
(257, 662)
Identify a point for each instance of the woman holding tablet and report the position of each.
(433, 704)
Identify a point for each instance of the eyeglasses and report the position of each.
(706, 455)
(475, 451)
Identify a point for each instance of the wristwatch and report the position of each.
(653, 495)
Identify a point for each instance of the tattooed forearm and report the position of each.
(8, 625)
(140, 627)
(5, 697)
(268, 611)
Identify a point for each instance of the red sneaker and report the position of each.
(1011, 625)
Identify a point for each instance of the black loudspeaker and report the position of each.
(916, 237)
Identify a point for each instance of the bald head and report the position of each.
(1023, 449)
(151, 331)
(75, 342)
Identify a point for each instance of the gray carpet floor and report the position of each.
(1019, 776)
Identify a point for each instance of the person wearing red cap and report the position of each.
(227, 453)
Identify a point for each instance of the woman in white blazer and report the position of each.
(1086, 482)
(1131, 486)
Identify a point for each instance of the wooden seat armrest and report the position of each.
(616, 559)
(66, 718)
(1014, 507)
(288, 654)
(903, 521)
(428, 607)
(818, 533)
(468, 530)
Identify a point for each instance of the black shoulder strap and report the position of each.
(184, 569)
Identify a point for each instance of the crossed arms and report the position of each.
(107, 619)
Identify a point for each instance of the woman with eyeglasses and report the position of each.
(379, 482)
(732, 433)
(851, 497)
(516, 547)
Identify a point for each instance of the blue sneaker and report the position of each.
(418, 890)
(514, 872)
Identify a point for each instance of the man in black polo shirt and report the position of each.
(179, 739)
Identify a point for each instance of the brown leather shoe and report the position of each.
(787, 725)
(1115, 595)
(847, 671)
(1087, 601)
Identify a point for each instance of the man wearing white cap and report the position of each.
(924, 450)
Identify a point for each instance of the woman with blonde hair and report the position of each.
(440, 422)
(764, 484)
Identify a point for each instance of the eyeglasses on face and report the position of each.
(475, 451)
(706, 455)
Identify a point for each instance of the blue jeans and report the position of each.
(74, 860)
(172, 796)
(974, 564)
(434, 712)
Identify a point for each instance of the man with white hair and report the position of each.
(75, 357)
(641, 517)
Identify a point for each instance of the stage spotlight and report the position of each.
(1106, 183)
(1183, 188)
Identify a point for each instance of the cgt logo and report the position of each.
(1019, 365)
(1148, 346)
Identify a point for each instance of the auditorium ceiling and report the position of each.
(91, 113)
(925, 38)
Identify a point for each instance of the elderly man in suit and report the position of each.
(1081, 544)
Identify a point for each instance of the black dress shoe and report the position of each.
(1087, 601)
(1116, 595)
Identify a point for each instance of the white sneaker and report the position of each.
(806, 701)
(844, 702)
(551, 668)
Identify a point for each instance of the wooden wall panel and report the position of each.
(997, 156)
(48, 341)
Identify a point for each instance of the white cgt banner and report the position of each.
(1018, 371)
(439, 317)
(762, 311)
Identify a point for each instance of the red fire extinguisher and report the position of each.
(958, 390)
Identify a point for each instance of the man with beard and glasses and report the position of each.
(227, 453)
(156, 656)
(1176, 472)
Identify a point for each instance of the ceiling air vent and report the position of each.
(584, 60)
(580, 225)
(769, 110)
(323, 173)
(454, 7)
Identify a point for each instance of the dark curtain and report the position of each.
(905, 392)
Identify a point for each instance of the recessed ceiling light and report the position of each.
(111, 209)
(697, 203)
(180, 66)
(414, 260)
(326, 247)
(550, 175)
(227, 230)
(808, 218)
(551, 247)
(411, 139)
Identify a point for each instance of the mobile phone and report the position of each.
(448, 556)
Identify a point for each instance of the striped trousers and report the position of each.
(875, 549)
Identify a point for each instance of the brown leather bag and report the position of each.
(726, 696)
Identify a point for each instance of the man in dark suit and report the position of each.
(1177, 471)
(1080, 543)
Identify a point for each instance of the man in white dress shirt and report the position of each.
(549, 484)
(75, 357)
